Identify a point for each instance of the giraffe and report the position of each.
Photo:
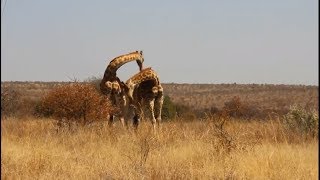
(144, 88)
(113, 87)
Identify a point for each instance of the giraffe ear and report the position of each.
(107, 87)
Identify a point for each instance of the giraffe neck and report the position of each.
(110, 73)
(144, 75)
(117, 62)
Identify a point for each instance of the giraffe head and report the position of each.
(111, 87)
(140, 59)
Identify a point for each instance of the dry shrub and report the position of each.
(76, 102)
(235, 107)
(239, 109)
(10, 101)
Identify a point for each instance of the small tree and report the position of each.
(238, 109)
(77, 102)
(234, 107)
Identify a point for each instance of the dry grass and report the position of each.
(32, 149)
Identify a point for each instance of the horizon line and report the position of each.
(200, 83)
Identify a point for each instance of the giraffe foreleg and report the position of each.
(114, 103)
(111, 119)
(137, 115)
(122, 103)
(151, 110)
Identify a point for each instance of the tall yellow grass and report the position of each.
(32, 149)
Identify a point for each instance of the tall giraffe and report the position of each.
(144, 88)
(112, 86)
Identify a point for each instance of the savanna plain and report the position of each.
(241, 132)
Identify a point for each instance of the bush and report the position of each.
(10, 101)
(238, 109)
(75, 102)
(168, 108)
(301, 121)
(235, 107)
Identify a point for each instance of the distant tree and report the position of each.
(234, 107)
(238, 109)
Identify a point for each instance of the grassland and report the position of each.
(32, 149)
(184, 148)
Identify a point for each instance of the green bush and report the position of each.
(168, 108)
(301, 121)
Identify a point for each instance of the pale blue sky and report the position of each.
(205, 41)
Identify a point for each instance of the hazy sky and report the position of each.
(204, 41)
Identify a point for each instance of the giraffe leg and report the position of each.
(111, 119)
(124, 122)
(137, 115)
(123, 110)
(136, 121)
(114, 103)
(158, 105)
(151, 109)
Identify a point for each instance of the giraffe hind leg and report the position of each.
(158, 104)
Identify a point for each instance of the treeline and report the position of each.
(234, 107)
(16, 103)
(186, 101)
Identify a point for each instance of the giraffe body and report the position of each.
(144, 89)
(146, 74)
